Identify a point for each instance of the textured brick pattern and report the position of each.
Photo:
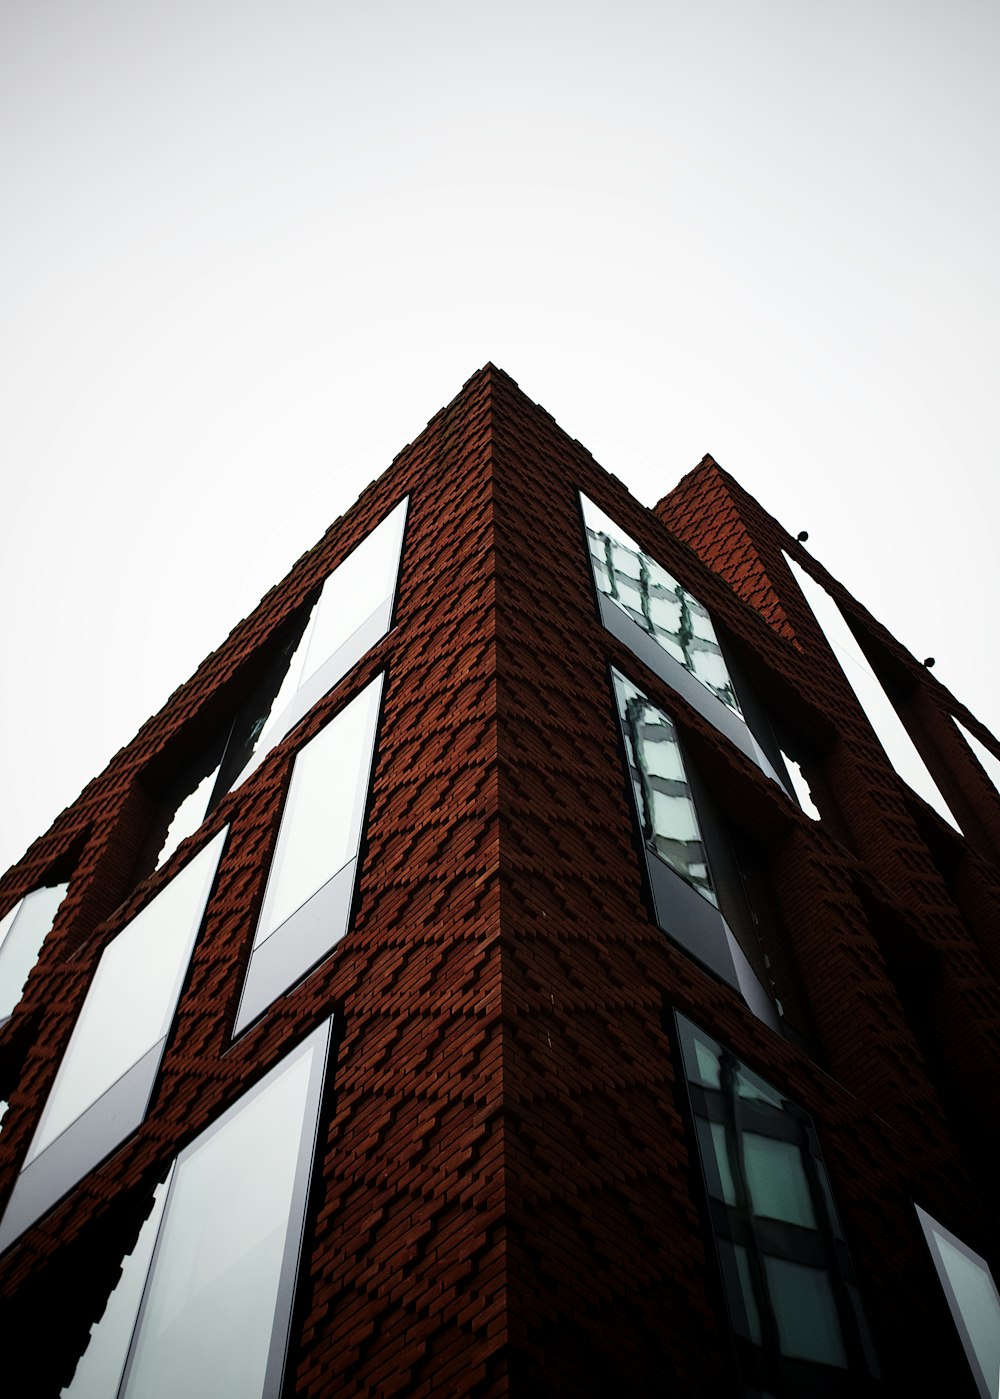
(506, 1198)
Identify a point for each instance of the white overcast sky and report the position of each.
(248, 249)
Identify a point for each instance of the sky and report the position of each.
(248, 249)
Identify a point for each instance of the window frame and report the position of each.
(761, 1236)
(699, 927)
(55, 1162)
(933, 1233)
(748, 729)
(306, 936)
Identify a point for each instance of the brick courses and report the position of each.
(506, 1199)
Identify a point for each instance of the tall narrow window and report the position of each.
(22, 932)
(879, 709)
(353, 612)
(656, 617)
(310, 888)
(793, 1303)
(104, 1083)
(205, 1300)
(685, 890)
(972, 1299)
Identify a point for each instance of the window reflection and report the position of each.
(663, 795)
(656, 602)
(204, 1303)
(789, 1285)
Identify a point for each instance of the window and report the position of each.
(22, 933)
(870, 693)
(106, 1078)
(353, 612)
(310, 889)
(689, 886)
(205, 1298)
(316, 649)
(657, 603)
(660, 622)
(972, 1299)
(794, 1307)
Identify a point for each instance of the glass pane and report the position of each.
(214, 1311)
(720, 1153)
(132, 997)
(657, 603)
(321, 823)
(21, 936)
(790, 1290)
(978, 1305)
(806, 1313)
(777, 1180)
(667, 810)
(355, 589)
(99, 1370)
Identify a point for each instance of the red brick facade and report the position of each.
(506, 1194)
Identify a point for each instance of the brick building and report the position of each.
(522, 959)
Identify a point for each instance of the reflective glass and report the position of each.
(779, 1187)
(657, 603)
(310, 890)
(22, 933)
(99, 1370)
(131, 999)
(806, 1311)
(973, 1299)
(355, 589)
(785, 1271)
(324, 810)
(351, 614)
(214, 1320)
(663, 797)
(889, 728)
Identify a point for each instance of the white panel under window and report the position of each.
(889, 728)
(217, 1289)
(311, 885)
(988, 760)
(22, 932)
(972, 1298)
(352, 613)
(103, 1085)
